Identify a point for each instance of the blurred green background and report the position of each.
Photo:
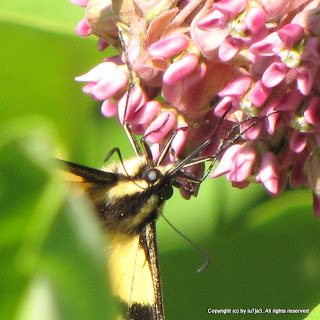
(265, 252)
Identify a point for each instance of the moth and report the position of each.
(128, 197)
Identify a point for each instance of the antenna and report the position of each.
(203, 252)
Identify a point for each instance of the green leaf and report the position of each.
(56, 16)
(52, 251)
(315, 314)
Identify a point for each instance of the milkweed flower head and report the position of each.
(219, 67)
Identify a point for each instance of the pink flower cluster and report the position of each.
(253, 63)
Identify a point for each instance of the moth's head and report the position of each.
(147, 175)
(163, 178)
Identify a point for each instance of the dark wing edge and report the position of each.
(148, 241)
(89, 174)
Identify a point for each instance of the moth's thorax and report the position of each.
(135, 166)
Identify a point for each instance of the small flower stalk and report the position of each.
(219, 66)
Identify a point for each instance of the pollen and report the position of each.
(290, 58)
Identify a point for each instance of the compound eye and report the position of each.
(153, 175)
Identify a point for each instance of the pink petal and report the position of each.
(83, 29)
(255, 19)
(253, 132)
(155, 150)
(181, 138)
(237, 87)
(230, 8)
(308, 18)
(240, 185)
(278, 9)
(114, 59)
(272, 122)
(138, 129)
(173, 93)
(88, 87)
(298, 177)
(298, 141)
(214, 20)
(258, 94)
(312, 51)
(127, 108)
(242, 165)
(146, 113)
(169, 46)
(110, 85)
(291, 101)
(159, 128)
(305, 77)
(312, 113)
(226, 162)
(313, 20)
(98, 72)
(274, 74)
(181, 69)
(290, 34)
(224, 105)
(108, 109)
(80, 3)
(208, 42)
(229, 48)
(194, 78)
(269, 172)
(268, 46)
(102, 44)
